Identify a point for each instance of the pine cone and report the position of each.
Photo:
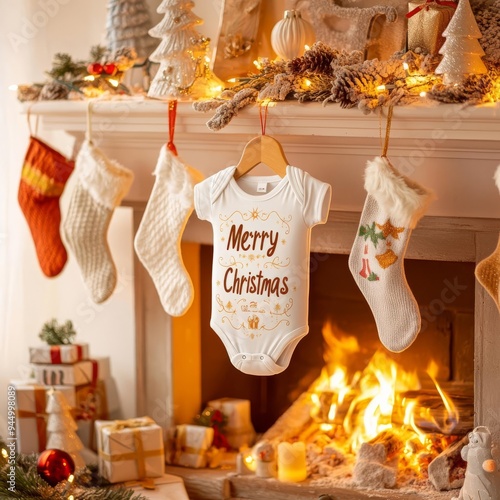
(28, 92)
(54, 91)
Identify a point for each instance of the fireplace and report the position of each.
(460, 229)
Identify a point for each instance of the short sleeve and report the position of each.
(202, 201)
(317, 197)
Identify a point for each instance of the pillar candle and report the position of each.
(292, 462)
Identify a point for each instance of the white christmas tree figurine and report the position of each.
(184, 70)
(461, 50)
(61, 427)
(127, 26)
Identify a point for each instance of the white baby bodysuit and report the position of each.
(260, 283)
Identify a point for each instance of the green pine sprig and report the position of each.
(55, 334)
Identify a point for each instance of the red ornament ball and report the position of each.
(55, 466)
(95, 68)
(110, 69)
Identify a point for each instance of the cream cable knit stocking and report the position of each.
(101, 186)
(158, 239)
(392, 209)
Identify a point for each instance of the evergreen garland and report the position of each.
(88, 485)
(55, 334)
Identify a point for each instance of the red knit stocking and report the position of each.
(44, 175)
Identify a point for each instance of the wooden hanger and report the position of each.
(263, 149)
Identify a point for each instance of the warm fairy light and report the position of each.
(114, 82)
(232, 80)
(207, 59)
(307, 47)
(5, 454)
(406, 66)
(217, 89)
(423, 93)
(250, 462)
(257, 64)
(89, 78)
(71, 497)
(307, 82)
(13, 87)
(71, 478)
(381, 88)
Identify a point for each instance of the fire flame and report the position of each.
(366, 403)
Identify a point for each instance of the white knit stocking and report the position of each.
(392, 209)
(101, 186)
(158, 239)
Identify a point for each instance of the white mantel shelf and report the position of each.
(286, 118)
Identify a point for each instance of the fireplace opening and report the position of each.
(443, 290)
(430, 400)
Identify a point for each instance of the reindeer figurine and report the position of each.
(482, 478)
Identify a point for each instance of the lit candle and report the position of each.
(292, 462)
(245, 463)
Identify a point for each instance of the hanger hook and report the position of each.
(172, 115)
(387, 132)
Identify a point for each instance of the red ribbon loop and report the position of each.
(172, 114)
(444, 3)
(263, 117)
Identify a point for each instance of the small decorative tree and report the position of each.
(127, 25)
(461, 50)
(55, 334)
(184, 69)
(61, 427)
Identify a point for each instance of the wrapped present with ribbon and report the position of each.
(163, 488)
(427, 19)
(130, 450)
(59, 354)
(31, 418)
(192, 443)
(80, 373)
(238, 430)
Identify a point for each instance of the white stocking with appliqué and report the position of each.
(393, 206)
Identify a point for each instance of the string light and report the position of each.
(71, 497)
(307, 47)
(406, 66)
(307, 82)
(423, 94)
(114, 82)
(71, 478)
(232, 80)
(5, 454)
(257, 64)
(14, 88)
(89, 78)
(381, 88)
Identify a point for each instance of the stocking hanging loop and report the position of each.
(385, 146)
(28, 115)
(89, 122)
(172, 115)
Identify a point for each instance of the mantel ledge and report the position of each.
(140, 118)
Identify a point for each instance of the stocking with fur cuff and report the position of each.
(488, 270)
(393, 206)
(158, 239)
(101, 186)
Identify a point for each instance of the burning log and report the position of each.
(447, 470)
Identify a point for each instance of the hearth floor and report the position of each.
(225, 484)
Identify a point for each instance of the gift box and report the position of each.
(191, 445)
(59, 354)
(129, 449)
(87, 402)
(427, 19)
(79, 373)
(31, 423)
(167, 487)
(239, 430)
